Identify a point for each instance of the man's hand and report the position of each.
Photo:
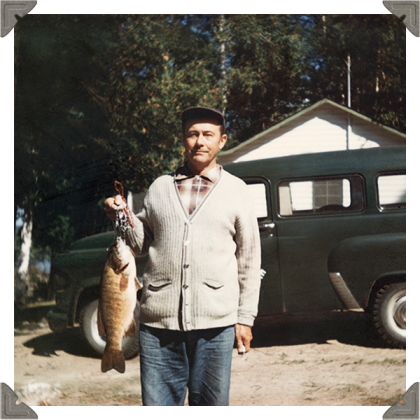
(112, 204)
(243, 336)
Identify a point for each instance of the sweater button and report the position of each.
(186, 265)
(185, 286)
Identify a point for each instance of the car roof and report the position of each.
(375, 160)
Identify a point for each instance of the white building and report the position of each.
(324, 126)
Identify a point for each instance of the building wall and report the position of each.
(315, 135)
(324, 128)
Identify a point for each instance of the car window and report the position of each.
(391, 191)
(259, 194)
(318, 196)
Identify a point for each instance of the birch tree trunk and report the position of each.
(222, 37)
(22, 282)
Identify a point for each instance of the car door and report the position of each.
(314, 215)
(270, 291)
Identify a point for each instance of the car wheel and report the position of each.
(89, 328)
(389, 314)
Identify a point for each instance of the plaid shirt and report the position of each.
(192, 189)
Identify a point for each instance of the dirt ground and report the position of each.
(326, 359)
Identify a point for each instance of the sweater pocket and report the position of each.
(158, 285)
(213, 284)
(216, 299)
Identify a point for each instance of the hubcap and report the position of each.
(399, 312)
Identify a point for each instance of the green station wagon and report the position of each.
(332, 229)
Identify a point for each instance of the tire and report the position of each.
(89, 329)
(389, 314)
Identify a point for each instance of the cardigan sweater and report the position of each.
(203, 270)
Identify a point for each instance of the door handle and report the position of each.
(267, 226)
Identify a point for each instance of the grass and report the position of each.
(388, 361)
(378, 362)
(384, 401)
(354, 388)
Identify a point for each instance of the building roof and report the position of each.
(326, 109)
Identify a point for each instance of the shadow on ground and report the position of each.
(28, 316)
(346, 327)
(30, 319)
(69, 341)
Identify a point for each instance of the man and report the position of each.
(201, 281)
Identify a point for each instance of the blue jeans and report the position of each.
(173, 361)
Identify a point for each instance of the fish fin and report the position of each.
(113, 359)
(132, 329)
(138, 285)
(123, 283)
(101, 328)
(120, 270)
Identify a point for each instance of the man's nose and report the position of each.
(200, 140)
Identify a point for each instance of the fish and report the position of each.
(117, 301)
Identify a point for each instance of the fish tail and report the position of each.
(113, 359)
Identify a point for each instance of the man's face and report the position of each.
(202, 140)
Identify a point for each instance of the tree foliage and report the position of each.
(60, 167)
(266, 70)
(376, 46)
(161, 67)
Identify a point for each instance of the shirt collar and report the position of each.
(212, 175)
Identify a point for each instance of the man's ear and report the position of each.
(223, 140)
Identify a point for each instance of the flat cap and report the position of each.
(196, 112)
